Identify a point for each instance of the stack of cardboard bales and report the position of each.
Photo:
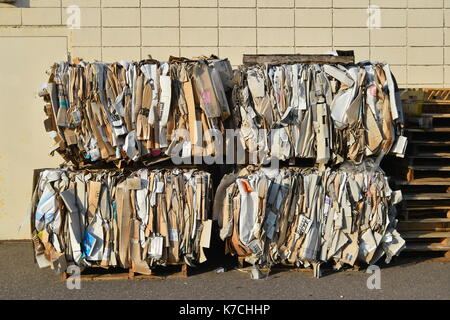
(118, 202)
(345, 117)
(135, 214)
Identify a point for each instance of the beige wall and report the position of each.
(414, 37)
(23, 144)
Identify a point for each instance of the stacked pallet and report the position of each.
(425, 172)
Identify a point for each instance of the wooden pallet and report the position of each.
(182, 273)
(424, 213)
(244, 266)
(426, 220)
(417, 172)
(428, 134)
(424, 225)
(429, 120)
(424, 174)
(418, 167)
(443, 245)
(443, 129)
(426, 207)
(431, 149)
(425, 235)
(418, 101)
(158, 273)
(428, 241)
(433, 142)
(431, 155)
(427, 196)
(282, 267)
(424, 182)
(439, 96)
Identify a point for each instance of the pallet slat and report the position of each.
(433, 115)
(425, 235)
(427, 196)
(437, 95)
(443, 129)
(425, 207)
(424, 182)
(426, 247)
(427, 220)
(430, 155)
(130, 275)
(434, 142)
(418, 167)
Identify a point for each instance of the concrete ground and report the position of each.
(404, 278)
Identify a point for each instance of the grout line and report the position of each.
(407, 44)
(443, 44)
(295, 31)
(218, 29)
(179, 28)
(188, 46)
(332, 25)
(101, 31)
(140, 28)
(225, 27)
(257, 27)
(69, 40)
(370, 32)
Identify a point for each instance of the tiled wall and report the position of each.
(414, 35)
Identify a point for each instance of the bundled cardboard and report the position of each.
(331, 113)
(307, 216)
(112, 218)
(347, 115)
(109, 112)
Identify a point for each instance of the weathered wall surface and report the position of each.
(412, 35)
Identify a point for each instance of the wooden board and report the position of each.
(427, 95)
(431, 155)
(130, 275)
(428, 220)
(425, 235)
(441, 95)
(434, 115)
(175, 275)
(276, 268)
(435, 142)
(426, 247)
(427, 196)
(424, 207)
(291, 268)
(277, 59)
(429, 168)
(428, 129)
(425, 182)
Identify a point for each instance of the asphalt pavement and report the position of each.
(404, 278)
